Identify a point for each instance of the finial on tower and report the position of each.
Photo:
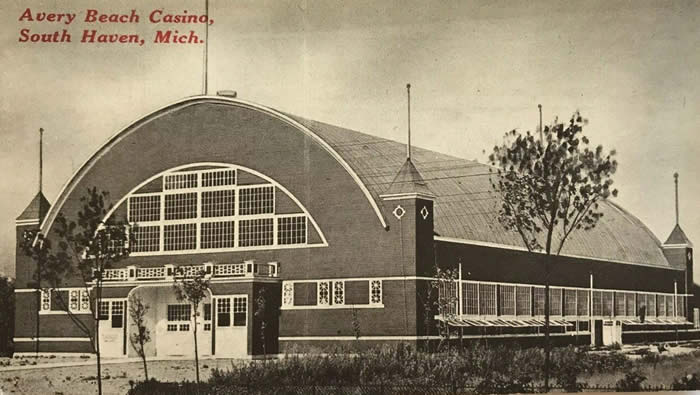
(408, 146)
(675, 179)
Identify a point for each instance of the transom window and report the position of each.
(205, 210)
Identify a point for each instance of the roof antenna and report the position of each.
(206, 47)
(408, 146)
(41, 158)
(541, 138)
(675, 177)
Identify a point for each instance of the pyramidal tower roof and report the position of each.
(408, 181)
(36, 209)
(678, 237)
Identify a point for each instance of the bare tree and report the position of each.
(549, 188)
(193, 289)
(139, 339)
(88, 247)
(260, 312)
(445, 282)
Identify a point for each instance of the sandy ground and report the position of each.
(81, 379)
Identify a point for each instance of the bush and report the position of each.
(501, 385)
(686, 383)
(631, 382)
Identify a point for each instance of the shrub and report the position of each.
(686, 383)
(501, 385)
(631, 382)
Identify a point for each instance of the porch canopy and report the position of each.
(502, 322)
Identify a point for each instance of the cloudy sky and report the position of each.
(478, 69)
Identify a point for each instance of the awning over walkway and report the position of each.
(656, 321)
(503, 322)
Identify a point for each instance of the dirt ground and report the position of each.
(116, 377)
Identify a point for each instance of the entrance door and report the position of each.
(231, 326)
(176, 339)
(112, 318)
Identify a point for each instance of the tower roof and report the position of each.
(408, 181)
(36, 209)
(677, 236)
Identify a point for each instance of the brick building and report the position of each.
(341, 231)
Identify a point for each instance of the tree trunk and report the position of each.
(196, 351)
(38, 305)
(143, 358)
(547, 345)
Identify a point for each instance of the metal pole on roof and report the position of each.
(408, 146)
(41, 158)
(675, 178)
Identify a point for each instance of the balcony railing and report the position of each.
(247, 269)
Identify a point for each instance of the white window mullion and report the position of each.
(161, 246)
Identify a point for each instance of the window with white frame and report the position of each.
(570, 302)
(507, 299)
(240, 310)
(375, 292)
(118, 313)
(231, 311)
(471, 298)
(144, 208)
(630, 303)
(103, 310)
(661, 305)
(206, 308)
(179, 237)
(539, 300)
(288, 294)
(598, 303)
(207, 210)
(582, 302)
(291, 230)
(619, 304)
(487, 299)
(179, 316)
(523, 297)
(218, 234)
(670, 311)
(256, 200)
(651, 305)
(607, 303)
(555, 301)
(223, 312)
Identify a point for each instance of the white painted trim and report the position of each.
(334, 307)
(61, 312)
(52, 339)
(58, 355)
(394, 278)
(387, 337)
(25, 222)
(672, 246)
(519, 248)
(70, 184)
(26, 290)
(402, 196)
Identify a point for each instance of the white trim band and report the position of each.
(52, 339)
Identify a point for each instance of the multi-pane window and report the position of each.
(180, 237)
(180, 206)
(240, 311)
(619, 304)
(118, 313)
(630, 304)
(219, 178)
(570, 302)
(103, 310)
(471, 298)
(218, 234)
(338, 292)
(179, 312)
(507, 299)
(255, 232)
(487, 299)
(523, 298)
(582, 302)
(669, 306)
(207, 316)
(539, 300)
(223, 312)
(208, 210)
(323, 296)
(597, 303)
(221, 203)
(681, 306)
(607, 303)
(144, 208)
(291, 230)
(180, 181)
(288, 294)
(555, 301)
(256, 200)
(651, 305)
(146, 239)
(661, 305)
(375, 292)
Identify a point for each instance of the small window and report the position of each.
(256, 232)
(291, 230)
(240, 311)
(179, 312)
(103, 311)
(184, 327)
(117, 314)
(144, 208)
(207, 327)
(172, 327)
(207, 312)
(223, 312)
(257, 200)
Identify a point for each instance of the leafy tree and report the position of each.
(7, 315)
(260, 311)
(192, 288)
(550, 188)
(86, 247)
(138, 339)
(445, 282)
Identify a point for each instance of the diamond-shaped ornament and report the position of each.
(424, 212)
(399, 212)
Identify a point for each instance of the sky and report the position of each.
(478, 69)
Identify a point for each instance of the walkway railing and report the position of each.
(247, 269)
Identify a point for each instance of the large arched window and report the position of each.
(215, 207)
